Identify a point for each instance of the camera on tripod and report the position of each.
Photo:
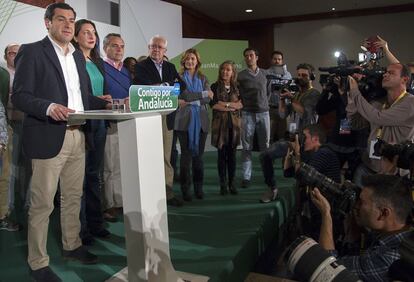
(344, 195)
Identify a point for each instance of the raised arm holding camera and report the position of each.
(383, 207)
(392, 121)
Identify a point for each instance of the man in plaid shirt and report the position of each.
(383, 207)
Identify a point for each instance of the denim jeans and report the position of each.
(276, 150)
(251, 123)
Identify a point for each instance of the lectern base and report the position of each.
(122, 276)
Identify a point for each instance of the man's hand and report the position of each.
(210, 94)
(381, 43)
(106, 97)
(182, 103)
(297, 107)
(320, 202)
(59, 112)
(353, 84)
(286, 94)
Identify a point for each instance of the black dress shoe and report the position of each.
(223, 189)
(87, 240)
(175, 202)
(245, 183)
(199, 195)
(187, 197)
(80, 254)
(232, 189)
(100, 233)
(44, 274)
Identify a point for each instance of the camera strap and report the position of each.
(385, 106)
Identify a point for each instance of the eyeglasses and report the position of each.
(154, 46)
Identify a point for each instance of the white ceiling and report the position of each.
(234, 10)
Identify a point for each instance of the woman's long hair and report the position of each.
(187, 53)
(233, 79)
(95, 53)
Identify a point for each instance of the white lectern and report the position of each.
(143, 193)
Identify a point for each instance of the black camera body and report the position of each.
(344, 195)
(279, 84)
(404, 151)
(370, 85)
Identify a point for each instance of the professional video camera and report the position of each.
(277, 83)
(370, 83)
(308, 261)
(404, 151)
(344, 195)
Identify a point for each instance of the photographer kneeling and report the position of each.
(383, 207)
(312, 152)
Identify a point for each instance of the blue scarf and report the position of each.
(194, 84)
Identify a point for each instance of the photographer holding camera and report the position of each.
(383, 208)
(392, 122)
(311, 151)
(299, 108)
(277, 75)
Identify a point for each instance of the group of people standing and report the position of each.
(64, 73)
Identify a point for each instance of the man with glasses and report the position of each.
(154, 70)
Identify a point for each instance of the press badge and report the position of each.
(345, 127)
(292, 127)
(371, 150)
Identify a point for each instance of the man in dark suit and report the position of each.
(50, 82)
(154, 70)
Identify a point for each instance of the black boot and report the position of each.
(186, 194)
(223, 188)
(198, 190)
(232, 188)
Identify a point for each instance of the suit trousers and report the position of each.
(167, 138)
(112, 169)
(68, 167)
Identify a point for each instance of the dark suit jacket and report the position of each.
(38, 82)
(146, 73)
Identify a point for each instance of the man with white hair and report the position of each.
(154, 70)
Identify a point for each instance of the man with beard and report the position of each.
(383, 207)
(299, 108)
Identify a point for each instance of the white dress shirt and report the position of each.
(70, 73)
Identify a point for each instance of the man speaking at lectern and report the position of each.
(50, 82)
(154, 70)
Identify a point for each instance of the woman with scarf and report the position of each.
(192, 123)
(225, 126)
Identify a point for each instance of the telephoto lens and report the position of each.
(308, 261)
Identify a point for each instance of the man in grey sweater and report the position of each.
(392, 121)
(255, 114)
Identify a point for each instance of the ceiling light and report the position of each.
(333, 9)
(249, 10)
(337, 54)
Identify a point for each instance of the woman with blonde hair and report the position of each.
(225, 126)
(192, 123)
